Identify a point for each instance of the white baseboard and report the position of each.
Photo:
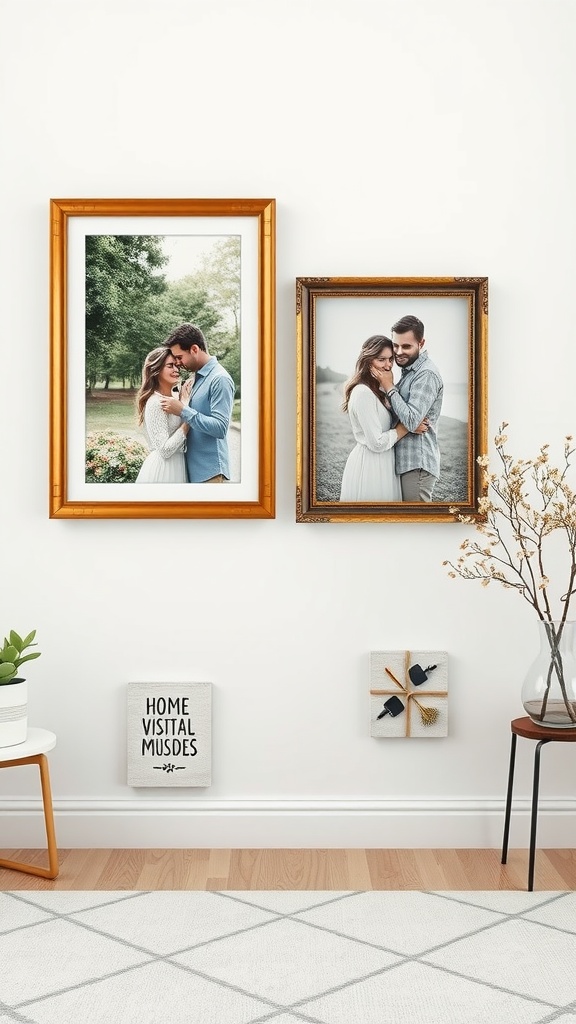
(258, 824)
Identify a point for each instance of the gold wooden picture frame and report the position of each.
(339, 321)
(124, 274)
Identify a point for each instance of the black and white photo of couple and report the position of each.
(391, 431)
(396, 456)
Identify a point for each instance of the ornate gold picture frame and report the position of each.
(339, 321)
(124, 274)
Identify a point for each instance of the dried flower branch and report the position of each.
(514, 530)
(523, 505)
(428, 715)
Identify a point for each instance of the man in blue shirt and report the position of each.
(417, 396)
(209, 409)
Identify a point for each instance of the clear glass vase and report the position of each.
(549, 689)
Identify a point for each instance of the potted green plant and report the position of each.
(14, 689)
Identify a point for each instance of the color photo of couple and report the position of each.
(186, 423)
(162, 359)
(392, 431)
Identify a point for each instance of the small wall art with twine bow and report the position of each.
(408, 694)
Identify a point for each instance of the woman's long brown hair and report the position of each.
(152, 365)
(371, 348)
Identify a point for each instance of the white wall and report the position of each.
(399, 137)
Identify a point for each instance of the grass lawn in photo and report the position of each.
(115, 409)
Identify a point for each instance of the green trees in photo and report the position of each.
(131, 307)
(123, 276)
(219, 276)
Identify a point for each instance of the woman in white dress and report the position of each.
(370, 471)
(166, 463)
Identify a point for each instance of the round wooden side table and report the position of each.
(33, 751)
(531, 731)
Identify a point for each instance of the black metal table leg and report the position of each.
(542, 734)
(509, 799)
(534, 818)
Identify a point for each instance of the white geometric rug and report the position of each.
(287, 957)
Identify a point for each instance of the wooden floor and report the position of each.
(295, 869)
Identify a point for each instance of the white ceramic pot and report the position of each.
(13, 712)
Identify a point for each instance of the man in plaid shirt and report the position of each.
(416, 397)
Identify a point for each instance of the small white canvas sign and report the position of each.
(169, 734)
(408, 694)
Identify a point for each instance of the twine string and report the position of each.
(427, 715)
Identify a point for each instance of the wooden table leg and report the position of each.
(30, 869)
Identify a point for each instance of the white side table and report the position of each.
(33, 751)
